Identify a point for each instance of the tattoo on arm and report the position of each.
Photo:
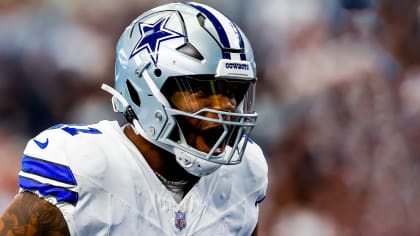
(30, 215)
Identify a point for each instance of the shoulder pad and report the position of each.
(45, 164)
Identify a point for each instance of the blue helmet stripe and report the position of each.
(47, 169)
(219, 28)
(61, 194)
(241, 42)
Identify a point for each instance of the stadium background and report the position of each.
(338, 98)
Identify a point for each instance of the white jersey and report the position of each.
(103, 186)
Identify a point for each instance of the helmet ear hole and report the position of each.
(133, 93)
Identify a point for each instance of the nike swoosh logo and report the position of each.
(42, 145)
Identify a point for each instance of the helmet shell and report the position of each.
(171, 40)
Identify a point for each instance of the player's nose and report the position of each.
(222, 103)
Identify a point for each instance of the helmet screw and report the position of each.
(152, 131)
(158, 72)
(158, 116)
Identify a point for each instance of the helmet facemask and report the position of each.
(213, 116)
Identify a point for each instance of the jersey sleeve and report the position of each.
(45, 169)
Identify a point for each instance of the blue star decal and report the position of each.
(151, 37)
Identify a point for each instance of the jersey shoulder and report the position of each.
(255, 167)
(47, 162)
(250, 177)
(254, 156)
(63, 140)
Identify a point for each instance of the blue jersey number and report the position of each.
(77, 129)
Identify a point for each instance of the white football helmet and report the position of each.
(186, 47)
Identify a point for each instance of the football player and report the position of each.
(184, 163)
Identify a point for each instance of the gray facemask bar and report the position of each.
(244, 125)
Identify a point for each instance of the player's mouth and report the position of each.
(206, 139)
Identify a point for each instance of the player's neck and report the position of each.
(158, 159)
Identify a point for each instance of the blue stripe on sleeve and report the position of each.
(61, 194)
(47, 169)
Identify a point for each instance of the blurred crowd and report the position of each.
(338, 99)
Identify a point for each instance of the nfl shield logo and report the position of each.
(180, 222)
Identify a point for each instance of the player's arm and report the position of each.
(30, 215)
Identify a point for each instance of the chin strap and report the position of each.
(127, 110)
(193, 164)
